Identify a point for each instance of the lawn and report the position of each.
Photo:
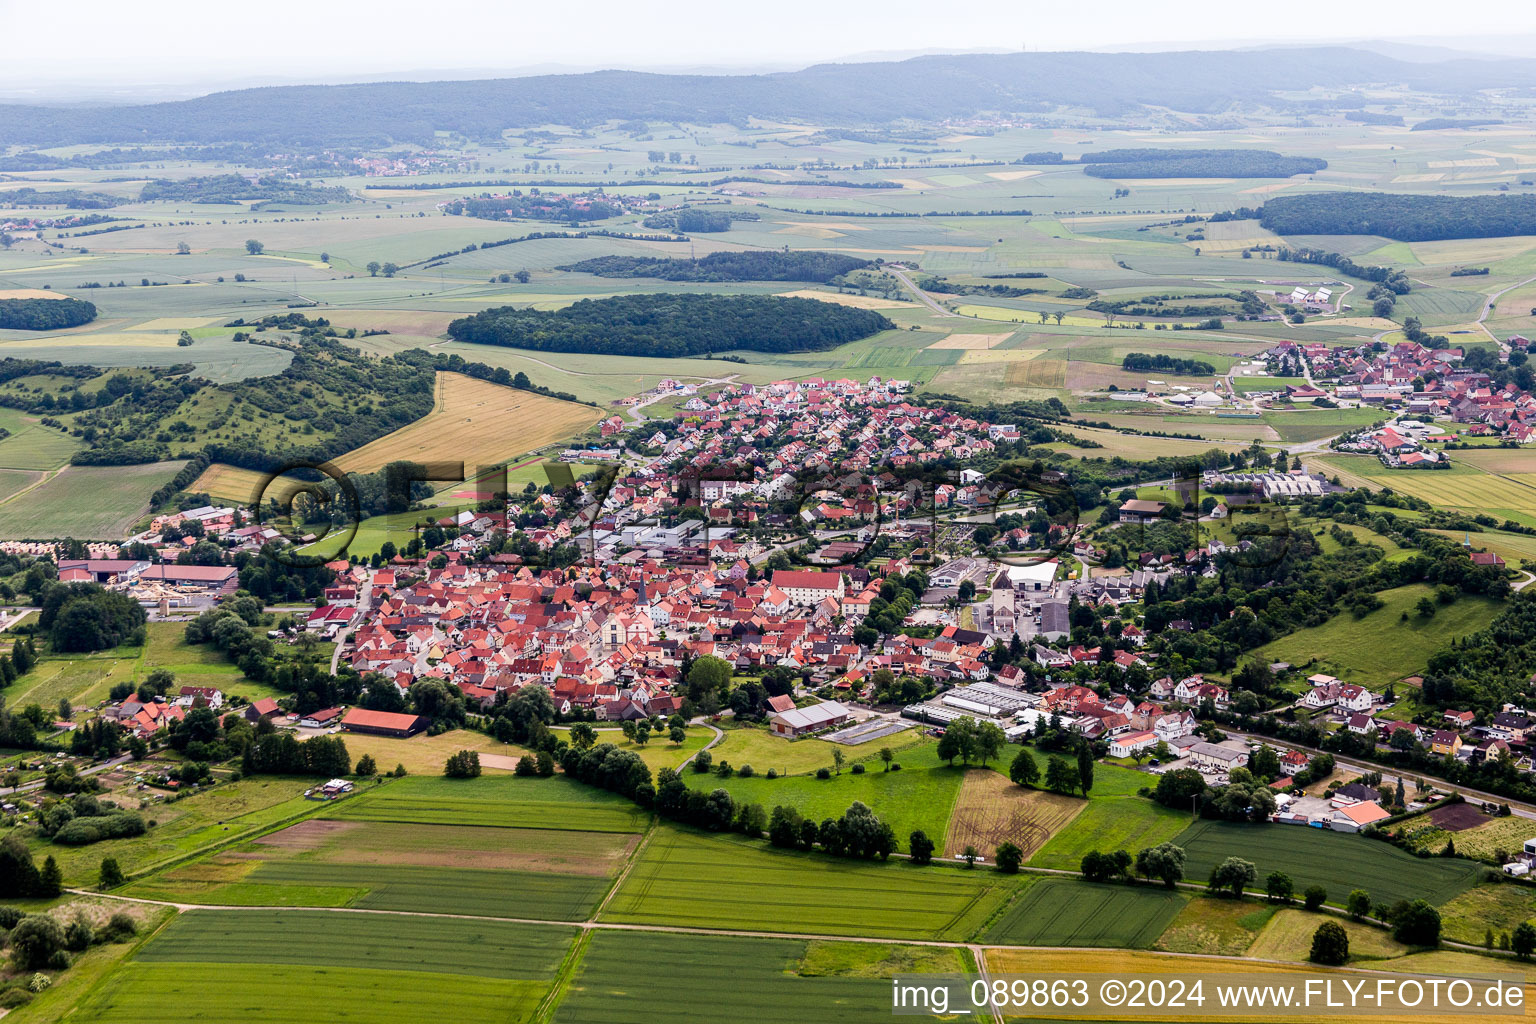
(425, 755)
(1215, 927)
(1071, 912)
(1121, 823)
(1380, 647)
(688, 878)
(756, 746)
(1288, 936)
(773, 981)
(84, 502)
(1336, 861)
(505, 801)
(659, 752)
(919, 796)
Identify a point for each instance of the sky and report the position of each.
(109, 46)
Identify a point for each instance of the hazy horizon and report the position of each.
(182, 48)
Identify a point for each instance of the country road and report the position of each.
(922, 296)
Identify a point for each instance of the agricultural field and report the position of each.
(682, 877)
(209, 963)
(474, 422)
(1216, 927)
(1123, 823)
(756, 746)
(1336, 861)
(919, 796)
(502, 801)
(493, 872)
(84, 502)
(991, 810)
(777, 981)
(1381, 647)
(1070, 912)
(1494, 482)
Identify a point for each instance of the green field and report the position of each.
(686, 878)
(1070, 912)
(776, 981)
(920, 795)
(1380, 647)
(1334, 860)
(274, 965)
(505, 801)
(84, 502)
(1125, 823)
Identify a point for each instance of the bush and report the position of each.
(465, 764)
(35, 940)
(120, 928)
(1330, 944)
(1009, 857)
(745, 771)
(823, 773)
(14, 997)
(84, 831)
(10, 917)
(770, 774)
(1315, 897)
(858, 768)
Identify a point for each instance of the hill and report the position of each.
(928, 88)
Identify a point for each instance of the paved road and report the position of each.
(1488, 308)
(363, 602)
(1520, 810)
(92, 770)
(922, 296)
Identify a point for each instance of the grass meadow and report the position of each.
(1338, 862)
(502, 801)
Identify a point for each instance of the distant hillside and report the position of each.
(924, 88)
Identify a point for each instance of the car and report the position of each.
(1154, 762)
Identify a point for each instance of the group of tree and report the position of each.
(1163, 862)
(857, 833)
(84, 617)
(969, 740)
(691, 220)
(283, 753)
(1141, 362)
(662, 324)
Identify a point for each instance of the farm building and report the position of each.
(1137, 510)
(266, 707)
(321, 719)
(383, 723)
(1216, 756)
(1030, 578)
(801, 721)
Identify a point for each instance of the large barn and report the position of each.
(383, 723)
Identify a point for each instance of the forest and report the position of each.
(45, 314)
(73, 198)
(572, 209)
(819, 267)
(228, 189)
(1405, 218)
(668, 325)
(1197, 163)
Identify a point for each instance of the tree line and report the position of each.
(1197, 163)
(820, 267)
(1141, 362)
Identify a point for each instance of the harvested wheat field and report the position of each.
(477, 423)
(971, 341)
(30, 293)
(856, 301)
(991, 811)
